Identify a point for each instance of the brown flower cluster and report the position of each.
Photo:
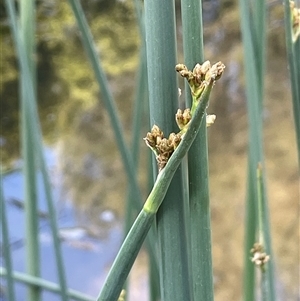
(183, 118)
(161, 146)
(198, 79)
(201, 75)
(259, 257)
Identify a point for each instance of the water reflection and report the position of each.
(84, 243)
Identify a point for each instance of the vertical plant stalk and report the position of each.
(201, 257)
(35, 132)
(163, 99)
(263, 232)
(253, 33)
(6, 247)
(292, 32)
(27, 33)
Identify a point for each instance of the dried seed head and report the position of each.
(259, 258)
(174, 140)
(187, 116)
(205, 67)
(152, 138)
(201, 76)
(217, 70)
(179, 119)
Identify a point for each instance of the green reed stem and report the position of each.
(198, 164)
(163, 99)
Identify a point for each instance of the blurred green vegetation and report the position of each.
(65, 80)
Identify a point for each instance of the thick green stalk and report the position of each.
(44, 284)
(134, 239)
(35, 132)
(293, 52)
(163, 99)
(27, 34)
(201, 256)
(254, 49)
(6, 247)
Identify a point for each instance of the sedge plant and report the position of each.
(169, 152)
